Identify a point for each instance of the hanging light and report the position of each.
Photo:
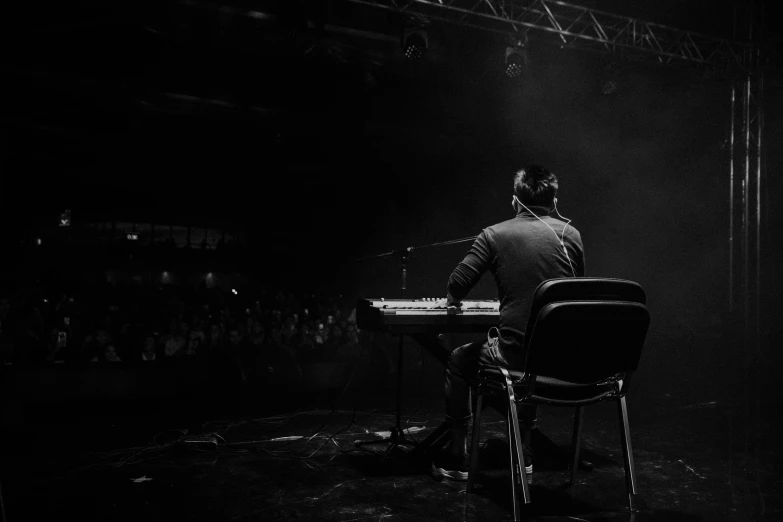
(414, 42)
(516, 57)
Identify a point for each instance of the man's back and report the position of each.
(521, 253)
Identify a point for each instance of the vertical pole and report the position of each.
(759, 106)
(397, 432)
(746, 206)
(731, 198)
(746, 253)
(404, 275)
(759, 130)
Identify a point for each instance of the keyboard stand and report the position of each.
(397, 437)
(434, 440)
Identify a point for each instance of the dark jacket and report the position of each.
(521, 253)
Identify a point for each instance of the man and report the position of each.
(149, 349)
(521, 253)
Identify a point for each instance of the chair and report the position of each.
(584, 339)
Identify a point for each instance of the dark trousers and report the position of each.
(462, 375)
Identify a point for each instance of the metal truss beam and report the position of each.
(580, 26)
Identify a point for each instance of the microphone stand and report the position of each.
(397, 437)
(403, 253)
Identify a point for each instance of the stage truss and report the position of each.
(578, 27)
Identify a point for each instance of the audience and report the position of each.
(261, 346)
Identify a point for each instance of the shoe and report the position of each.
(454, 467)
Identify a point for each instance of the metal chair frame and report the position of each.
(531, 388)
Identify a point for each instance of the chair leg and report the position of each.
(575, 442)
(518, 475)
(513, 466)
(520, 459)
(630, 472)
(474, 445)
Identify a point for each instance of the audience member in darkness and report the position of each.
(320, 338)
(239, 351)
(57, 350)
(184, 334)
(331, 344)
(6, 344)
(349, 348)
(29, 343)
(276, 337)
(95, 346)
(5, 307)
(123, 341)
(149, 349)
(276, 368)
(289, 333)
(214, 343)
(107, 355)
(351, 334)
(174, 342)
(304, 351)
(52, 350)
(195, 339)
(257, 335)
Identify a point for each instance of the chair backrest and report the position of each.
(586, 329)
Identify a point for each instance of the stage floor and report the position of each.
(692, 464)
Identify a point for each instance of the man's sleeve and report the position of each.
(579, 255)
(470, 269)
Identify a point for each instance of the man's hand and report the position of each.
(444, 303)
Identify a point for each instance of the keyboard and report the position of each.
(403, 316)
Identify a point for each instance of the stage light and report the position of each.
(233, 291)
(414, 43)
(516, 61)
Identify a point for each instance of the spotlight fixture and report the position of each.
(515, 62)
(414, 42)
(516, 57)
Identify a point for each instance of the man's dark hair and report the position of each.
(535, 185)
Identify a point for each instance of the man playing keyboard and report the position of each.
(521, 253)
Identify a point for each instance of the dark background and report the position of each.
(326, 146)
